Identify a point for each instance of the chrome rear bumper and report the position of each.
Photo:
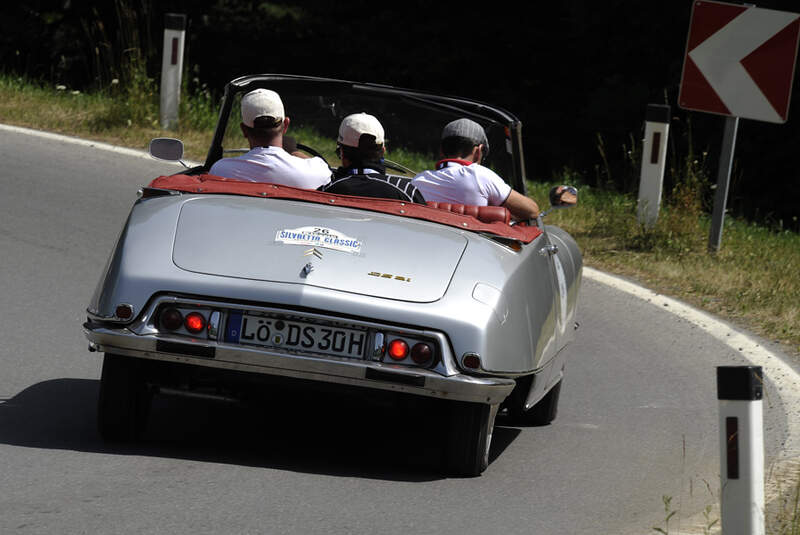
(352, 372)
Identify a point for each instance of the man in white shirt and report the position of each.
(264, 124)
(459, 178)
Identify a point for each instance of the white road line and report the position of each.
(86, 143)
(780, 373)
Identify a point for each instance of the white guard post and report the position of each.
(739, 391)
(654, 155)
(172, 68)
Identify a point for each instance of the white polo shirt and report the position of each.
(455, 182)
(276, 166)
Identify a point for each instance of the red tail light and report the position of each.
(421, 353)
(398, 349)
(194, 322)
(124, 311)
(171, 319)
(472, 361)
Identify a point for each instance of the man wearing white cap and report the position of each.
(360, 145)
(264, 124)
(459, 177)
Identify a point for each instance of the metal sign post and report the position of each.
(172, 68)
(723, 183)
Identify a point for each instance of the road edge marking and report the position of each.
(780, 372)
(88, 143)
(782, 472)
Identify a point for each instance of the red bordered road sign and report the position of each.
(739, 61)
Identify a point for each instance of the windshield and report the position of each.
(412, 123)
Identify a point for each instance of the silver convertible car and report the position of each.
(219, 287)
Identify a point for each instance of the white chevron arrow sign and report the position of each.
(740, 61)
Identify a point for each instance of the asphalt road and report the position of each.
(637, 420)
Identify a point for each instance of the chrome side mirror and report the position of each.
(563, 196)
(166, 148)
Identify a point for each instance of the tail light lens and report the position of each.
(124, 311)
(471, 361)
(171, 319)
(194, 322)
(421, 353)
(398, 349)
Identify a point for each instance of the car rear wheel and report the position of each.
(124, 402)
(543, 413)
(469, 438)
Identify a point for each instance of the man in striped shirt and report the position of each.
(360, 146)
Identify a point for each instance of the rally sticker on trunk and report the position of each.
(319, 237)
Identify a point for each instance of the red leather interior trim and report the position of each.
(487, 214)
(490, 219)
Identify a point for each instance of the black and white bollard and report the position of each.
(739, 391)
(172, 68)
(654, 155)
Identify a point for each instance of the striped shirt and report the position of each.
(367, 182)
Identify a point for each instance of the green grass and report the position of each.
(114, 115)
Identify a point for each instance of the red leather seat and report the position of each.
(485, 214)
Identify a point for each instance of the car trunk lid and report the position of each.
(343, 249)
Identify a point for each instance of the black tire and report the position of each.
(468, 440)
(543, 413)
(123, 402)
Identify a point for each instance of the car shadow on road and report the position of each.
(332, 435)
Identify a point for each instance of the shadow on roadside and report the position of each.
(320, 433)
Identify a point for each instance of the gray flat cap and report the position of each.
(466, 128)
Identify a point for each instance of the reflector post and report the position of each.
(740, 391)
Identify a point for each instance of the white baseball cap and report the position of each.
(261, 103)
(355, 125)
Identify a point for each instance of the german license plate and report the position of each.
(278, 333)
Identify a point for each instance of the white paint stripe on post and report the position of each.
(739, 391)
(654, 152)
(172, 68)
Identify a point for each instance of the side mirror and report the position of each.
(563, 196)
(165, 148)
